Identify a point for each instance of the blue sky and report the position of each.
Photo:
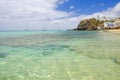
(65, 14)
(87, 6)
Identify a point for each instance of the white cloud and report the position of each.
(71, 7)
(31, 9)
(111, 12)
(15, 14)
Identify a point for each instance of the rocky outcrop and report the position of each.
(89, 24)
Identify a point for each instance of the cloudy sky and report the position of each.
(53, 14)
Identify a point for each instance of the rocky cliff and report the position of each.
(89, 24)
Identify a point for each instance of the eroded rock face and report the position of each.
(89, 24)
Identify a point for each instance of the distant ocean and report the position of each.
(59, 55)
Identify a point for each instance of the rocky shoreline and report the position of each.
(93, 24)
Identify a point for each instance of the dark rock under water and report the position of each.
(3, 54)
(50, 49)
(116, 60)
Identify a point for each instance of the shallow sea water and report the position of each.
(59, 55)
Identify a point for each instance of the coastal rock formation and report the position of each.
(89, 24)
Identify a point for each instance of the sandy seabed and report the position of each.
(60, 55)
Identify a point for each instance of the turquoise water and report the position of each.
(59, 55)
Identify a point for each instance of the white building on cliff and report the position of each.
(112, 24)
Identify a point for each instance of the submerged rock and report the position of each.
(51, 49)
(3, 54)
(116, 60)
